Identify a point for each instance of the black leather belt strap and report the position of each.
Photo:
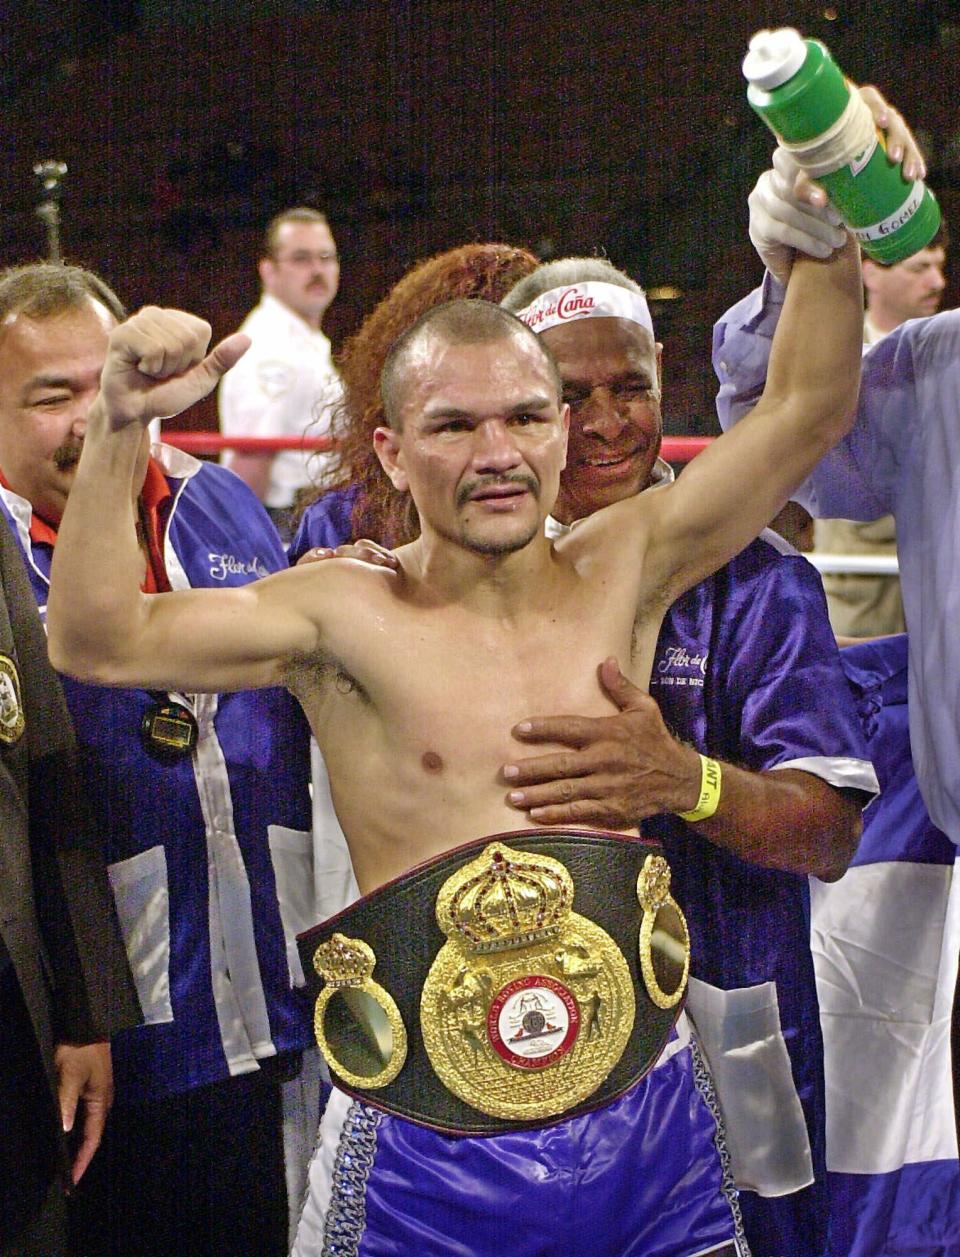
(398, 922)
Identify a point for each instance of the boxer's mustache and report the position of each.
(470, 488)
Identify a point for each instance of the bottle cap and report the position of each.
(774, 57)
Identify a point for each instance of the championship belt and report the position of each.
(514, 981)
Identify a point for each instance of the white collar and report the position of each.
(175, 462)
(298, 326)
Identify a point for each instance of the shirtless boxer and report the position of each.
(486, 615)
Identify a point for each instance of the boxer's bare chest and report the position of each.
(414, 708)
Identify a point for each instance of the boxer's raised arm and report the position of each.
(101, 627)
(731, 491)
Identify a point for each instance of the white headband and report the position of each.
(593, 300)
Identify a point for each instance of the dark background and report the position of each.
(420, 124)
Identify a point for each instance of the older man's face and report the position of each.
(49, 376)
(611, 381)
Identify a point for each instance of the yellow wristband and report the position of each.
(710, 777)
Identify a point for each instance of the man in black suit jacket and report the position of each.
(65, 986)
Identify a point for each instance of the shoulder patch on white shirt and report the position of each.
(275, 378)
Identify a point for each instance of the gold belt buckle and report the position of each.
(528, 1006)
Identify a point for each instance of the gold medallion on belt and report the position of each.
(528, 1006)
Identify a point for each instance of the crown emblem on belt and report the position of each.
(343, 961)
(528, 1006)
(653, 884)
(504, 899)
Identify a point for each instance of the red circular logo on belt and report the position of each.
(533, 1021)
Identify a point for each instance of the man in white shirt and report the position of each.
(286, 384)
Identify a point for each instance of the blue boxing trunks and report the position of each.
(512, 1068)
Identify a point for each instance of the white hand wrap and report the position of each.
(781, 223)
